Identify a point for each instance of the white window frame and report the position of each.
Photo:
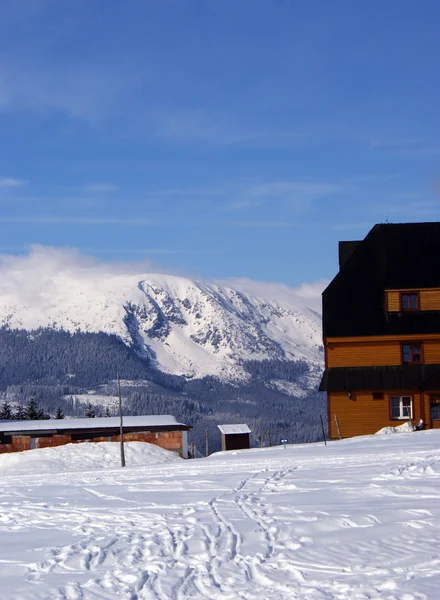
(403, 414)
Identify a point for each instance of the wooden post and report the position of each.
(121, 430)
(337, 426)
(323, 430)
(260, 440)
(269, 439)
(207, 444)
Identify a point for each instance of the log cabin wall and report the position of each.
(169, 440)
(429, 299)
(377, 352)
(362, 415)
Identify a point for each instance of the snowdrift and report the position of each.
(86, 456)
(407, 427)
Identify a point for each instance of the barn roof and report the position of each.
(234, 428)
(154, 422)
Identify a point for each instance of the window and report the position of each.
(412, 354)
(401, 407)
(435, 406)
(409, 301)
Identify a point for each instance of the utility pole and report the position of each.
(207, 444)
(121, 425)
(269, 438)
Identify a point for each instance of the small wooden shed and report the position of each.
(235, 436)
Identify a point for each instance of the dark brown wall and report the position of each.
(235, 441)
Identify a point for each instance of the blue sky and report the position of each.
(232, 138)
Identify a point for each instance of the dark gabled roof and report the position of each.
(402, 377)
(392, 256)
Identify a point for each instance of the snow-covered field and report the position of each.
(358, 519)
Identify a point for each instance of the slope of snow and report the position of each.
(84, 457)
(187, 327)
(357, 519)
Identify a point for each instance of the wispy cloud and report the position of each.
(53, 220)
(100, 188)
(82, 91)
(196, 126)
(9, 182)
(294, 188)
(406, 147)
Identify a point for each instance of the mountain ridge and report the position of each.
(185, 327)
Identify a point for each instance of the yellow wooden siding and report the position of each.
(377, 354)
(430, 300)
(393, 301)
(431, 351)
(360, 354)
(362, 415)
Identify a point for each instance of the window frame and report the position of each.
(402, 415)
(411, 361)
(410, 309)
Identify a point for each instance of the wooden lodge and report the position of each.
(235, 437)
(161, 430)
(381, 329)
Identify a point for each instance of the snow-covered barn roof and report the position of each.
(228, 429)
(152, 421)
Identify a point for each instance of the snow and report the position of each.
(227, 429)
(191, 328)
(358, 519)
(97, 423)
(406, 427)
(84, 456)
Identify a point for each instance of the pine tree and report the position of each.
(90, 411)
(32, 410)
(107, 412)
(20, 413)
(59, 413)
(6, 411)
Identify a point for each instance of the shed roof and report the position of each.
(233, 428)
(151, 421)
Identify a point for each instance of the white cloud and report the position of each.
(49, 220)
(46, 275)
(196, 126)
(100, 188)
(80, 90)
(9, 182)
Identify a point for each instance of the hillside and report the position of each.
(206, 352)
(184, 327)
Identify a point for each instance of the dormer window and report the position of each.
(409, 301)
(412, 354)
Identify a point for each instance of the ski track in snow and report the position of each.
(358, 519)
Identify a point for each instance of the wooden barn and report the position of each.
(381, 328)
(161, 430)
(235, 437)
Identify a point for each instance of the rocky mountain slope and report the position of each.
(184, 327)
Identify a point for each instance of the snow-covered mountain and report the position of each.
(187, 327)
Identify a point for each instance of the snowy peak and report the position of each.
(186, 327)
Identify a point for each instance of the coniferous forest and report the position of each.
(50, 368)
